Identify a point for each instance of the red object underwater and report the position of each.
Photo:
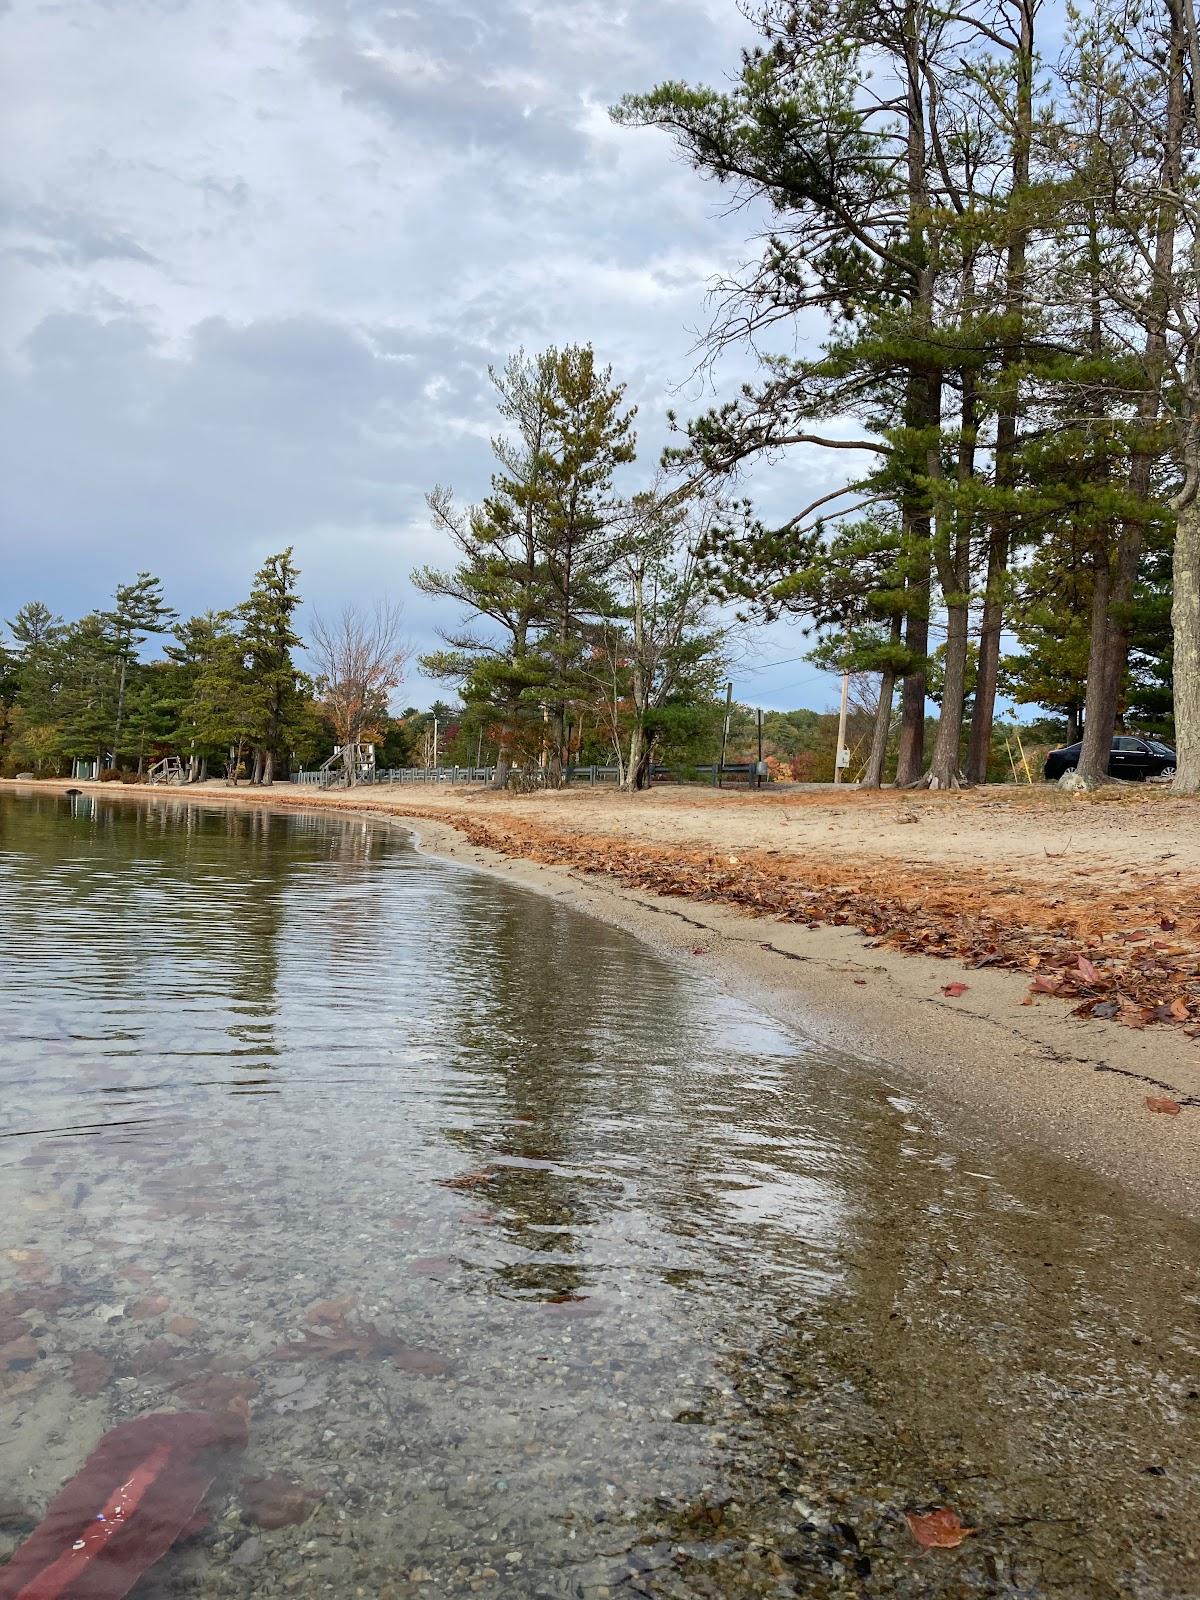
(136, 1493)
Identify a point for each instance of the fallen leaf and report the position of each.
(955, 989)
(1044, 985)
(1170, 1108)
(90, 1371)
(940, 1530)
(1178, 1009)
(19, 1354)
(699, 949)
(152, 1306)
(183, 1326)
(1087, 971)
(277, 1502)
(217, 1393)
(433, 1266)
(573, 1305)
(410, 1357)
(322, 1347)
(327, 1311)
(31, 1265)
(469, 1180)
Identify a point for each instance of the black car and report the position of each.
(1135, 759)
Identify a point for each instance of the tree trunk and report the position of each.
(922, 408)
(953, 551)
(120, 716)
(1099, 713)
(1109, 643)
(503, 759)
(1185, 621)
(872, 777)
(983, 714)
(268, 769)
(641, 777)
(1073, 722)
(944, 768)
(634, 764)
(999, 534)
(911, 757)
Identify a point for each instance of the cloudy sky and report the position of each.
(256, 257)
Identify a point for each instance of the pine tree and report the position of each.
(659, 649)
(224, 707)
(588, 436)
(269, 637)
(138, 611)
(500, 578)
(533, 555)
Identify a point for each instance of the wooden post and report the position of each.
(758, 773)
(841, 736)
(724, 733)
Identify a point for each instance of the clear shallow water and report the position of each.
(723, 1310)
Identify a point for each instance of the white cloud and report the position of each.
(262, 253)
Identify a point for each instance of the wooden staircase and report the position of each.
(169, 770)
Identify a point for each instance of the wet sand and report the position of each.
(1032, 1073)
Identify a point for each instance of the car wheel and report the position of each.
(1065, 771)
(1166, 772)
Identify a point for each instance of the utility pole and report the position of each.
(758, 775)
(435, 743)
(841, 737)
(724, 733)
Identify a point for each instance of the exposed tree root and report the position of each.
(928, 780)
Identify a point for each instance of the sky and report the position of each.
(256, 258)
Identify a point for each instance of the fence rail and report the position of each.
(732, 772)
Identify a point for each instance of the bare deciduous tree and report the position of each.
(360, 659)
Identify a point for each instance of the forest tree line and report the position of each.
(132, 683)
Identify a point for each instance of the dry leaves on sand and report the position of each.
(937, 1530)
(953, 990)
(1168, 1107)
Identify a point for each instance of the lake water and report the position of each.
(709, 1311)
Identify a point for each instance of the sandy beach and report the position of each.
(1028, 960)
